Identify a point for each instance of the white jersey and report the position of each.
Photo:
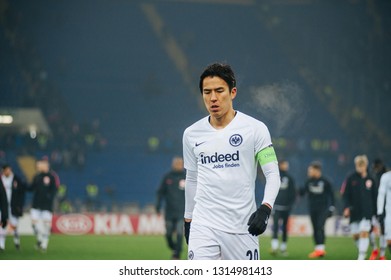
(384, 194)
(226, 166)
(7, 183)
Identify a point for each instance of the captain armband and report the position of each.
(266, 155)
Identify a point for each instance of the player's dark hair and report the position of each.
(378, 162)
(221, 70)
(5, 166)
(316, 165)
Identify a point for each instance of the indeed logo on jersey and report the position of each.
(221, 160)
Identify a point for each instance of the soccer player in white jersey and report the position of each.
(15, 190)
(384, 198)
(221, 153)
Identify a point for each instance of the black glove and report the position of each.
(330, 211)
(258, 220)
(380, 218)
(187, 232)
(3, 222)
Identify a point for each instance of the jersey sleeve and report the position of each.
(53, 187)
(190, 192)
(3, 205)
(161, 193)
(374, 197)
(292, 190)
(381, 195)
(190, 164)
(267, 159)
(262, 137)
(346, 194)
(189, 159)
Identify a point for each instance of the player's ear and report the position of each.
(233, 92)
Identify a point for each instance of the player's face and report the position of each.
(177, 164)
(361, 167)
(217, 97)
(42, 166)
(284, 165)
(310, 172)
(7, 172)
(313, 172)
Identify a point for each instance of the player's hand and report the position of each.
(330, 211)
(187, 231)
(258, 220)
(346, 212)
(3, 223)
(380, 218)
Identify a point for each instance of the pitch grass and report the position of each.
(100, 247)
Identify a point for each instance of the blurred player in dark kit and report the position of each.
(3, 210)
(44, 188)
(321, 205)
(282, 208)
(172, 193)
(15, 190)
(360, 195)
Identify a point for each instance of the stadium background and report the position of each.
(116, 83)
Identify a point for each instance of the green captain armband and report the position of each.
(266, 155)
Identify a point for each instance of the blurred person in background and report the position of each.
(282, 208)
(3, 211)
(384, 207)
(321, 205)
(92, 202)
(171, 193)
(378, 169)
(359, 196)
(44, 188)
(15, 190)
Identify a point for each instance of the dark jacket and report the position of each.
(172, 192)
(44, 189)
(360, 195)
(287, 193)
(320, 194)
(17, 196)
(3, 205)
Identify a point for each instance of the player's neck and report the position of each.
(363, 174)
(223, 121)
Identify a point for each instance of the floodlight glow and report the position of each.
(33, 131)
(6, 119)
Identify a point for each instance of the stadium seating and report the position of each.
(138, 76)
